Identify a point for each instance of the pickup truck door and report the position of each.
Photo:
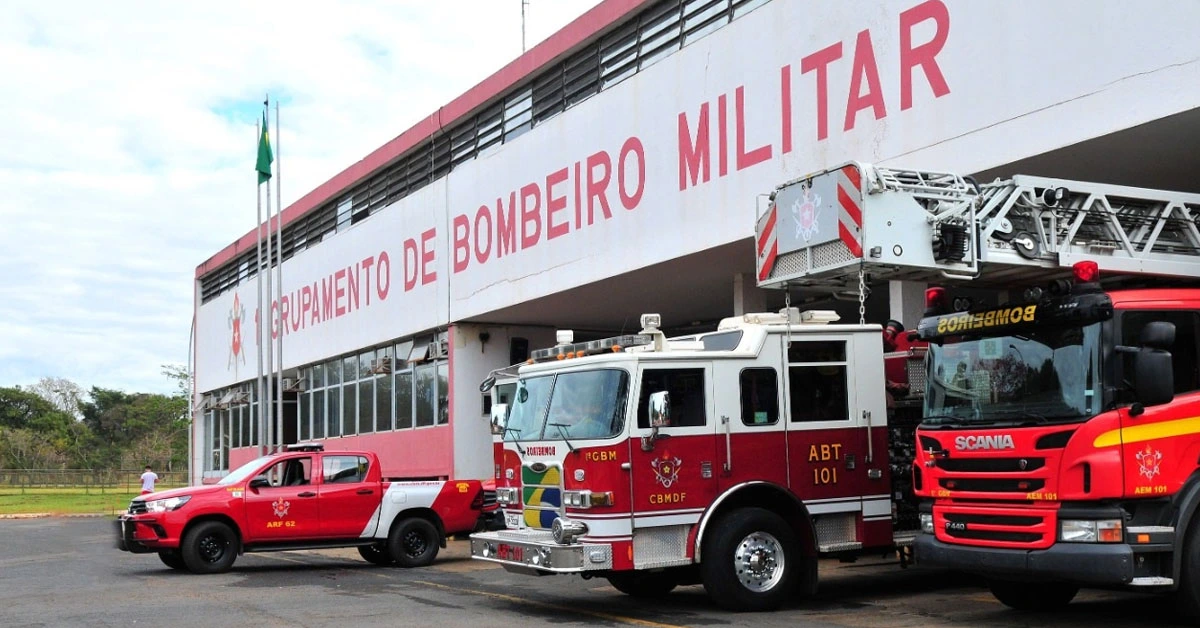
(285, 507)
(349, 500)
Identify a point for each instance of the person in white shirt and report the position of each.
(148, 479)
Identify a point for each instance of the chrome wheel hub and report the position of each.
(759, 562)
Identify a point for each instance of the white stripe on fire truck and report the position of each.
(877, 507)
(822, 509)
(609, 527)
(667, 520)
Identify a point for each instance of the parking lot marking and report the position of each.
(566, 609)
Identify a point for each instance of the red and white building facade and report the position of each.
(618, 168)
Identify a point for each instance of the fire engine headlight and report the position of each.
(506, 496)
(587, 499)
(1090, 531)
(164, 505)
(927, 522)
(565, 531)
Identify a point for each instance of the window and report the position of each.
(344, 469)
(1183, 353)
(817, 381)
(587, 404)
(290, 472)
(760, 396)
(425, 385)
(686, 388)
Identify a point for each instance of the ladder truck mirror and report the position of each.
(1154, 377)
(499, 417)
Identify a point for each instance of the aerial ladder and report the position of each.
(829, 229)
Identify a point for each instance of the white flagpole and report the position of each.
(269, 417)
(260, 428)
(279, 284)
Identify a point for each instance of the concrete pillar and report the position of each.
(906, 302)
(747, 297)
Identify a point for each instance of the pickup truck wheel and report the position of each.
(209, 547)
(414, 542)
(375, 554)
(172, 559)
(1033, 596)
(750, 560)
(645, 585)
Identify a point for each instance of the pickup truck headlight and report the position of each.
(1090, 531)
(168, 504)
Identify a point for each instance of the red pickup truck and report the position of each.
(302, 498)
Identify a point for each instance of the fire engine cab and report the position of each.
(733, 458)
(1060, 445)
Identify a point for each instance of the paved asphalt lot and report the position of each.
(66, 572)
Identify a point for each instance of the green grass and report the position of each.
(61, 501)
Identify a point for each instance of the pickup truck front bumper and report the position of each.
(141, 534)
(536, 552)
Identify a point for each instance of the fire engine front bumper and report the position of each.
(535, 552)
(1080, 563)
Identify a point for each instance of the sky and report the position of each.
(128, 134)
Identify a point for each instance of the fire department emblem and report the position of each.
(237, 316)
(666, 469)
(281, 507)
(1149, 460)
(804, 212)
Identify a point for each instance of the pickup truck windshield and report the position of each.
(243, 472)
(569, 406)
(1042, 374)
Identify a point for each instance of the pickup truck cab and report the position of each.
(302, 498)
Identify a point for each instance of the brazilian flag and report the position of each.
(265, 157)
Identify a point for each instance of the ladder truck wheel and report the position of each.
(414, 542)
(1187, 596)
(645, 585)
(750, 560)
(376, 554)
(1033, 596)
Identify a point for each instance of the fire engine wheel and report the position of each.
(1033, 596)
(413, 542)
(750, 560)
(644, 585)
(209, 547)
(375, 554)
(172, 559)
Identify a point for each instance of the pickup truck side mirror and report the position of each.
(660, 416)
(499, 417)
(259, 482)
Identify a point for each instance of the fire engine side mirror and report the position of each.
(499, 417)
(1158, 335)
(660, 416)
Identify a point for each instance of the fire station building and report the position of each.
(618, 168)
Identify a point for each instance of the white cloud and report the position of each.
(128, 148)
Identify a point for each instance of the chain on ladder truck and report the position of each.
(1060, 441)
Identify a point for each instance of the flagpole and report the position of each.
(271, 436)
(260, 427)
(279, 284)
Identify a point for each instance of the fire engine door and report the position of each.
(826, 429)
(673, 469)
(281, 503)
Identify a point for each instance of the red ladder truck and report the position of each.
(1060, 446)
(733, 458)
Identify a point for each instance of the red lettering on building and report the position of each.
(924, 55)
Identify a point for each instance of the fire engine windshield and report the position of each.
(569, 406)
(1043, 374)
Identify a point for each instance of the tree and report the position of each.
(62, 393)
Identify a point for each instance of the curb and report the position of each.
(44, 515)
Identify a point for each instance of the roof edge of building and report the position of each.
(581, 29)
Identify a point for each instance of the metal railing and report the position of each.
(97, 480)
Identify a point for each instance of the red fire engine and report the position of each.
(1059, 444)
(732, 458)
